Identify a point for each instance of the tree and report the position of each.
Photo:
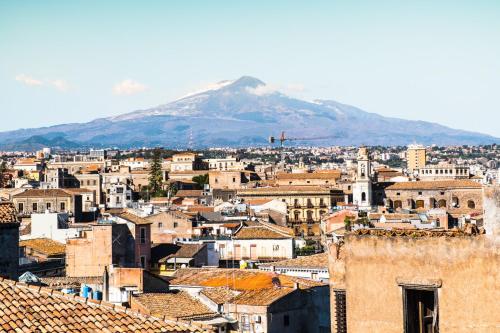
(3, 169)
(201, 180)
(155, 175)
(347, 223)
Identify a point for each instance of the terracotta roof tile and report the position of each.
(434, 185)
(43, 193)
(260, 232)
(25, 309)
(219, 295)
(318, 261)
(46, 246)
(174, 305)
(7, 213)
(133, 218)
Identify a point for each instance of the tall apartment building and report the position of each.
(415, 157)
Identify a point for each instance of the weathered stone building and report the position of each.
(415, 281)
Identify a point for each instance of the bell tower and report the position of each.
(362, 190)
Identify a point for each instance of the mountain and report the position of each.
(245, 112)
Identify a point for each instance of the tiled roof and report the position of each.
(219, 295)
(46, 246)
(434, 185)
(308, 175)
(38, 309)
(237, 279)
(7, 213)
(60, 282)
(175, 305)
(77, 190)
(261, 297)
(259, 232)
(284, 189)
(43, 193)
(133, 218)
(189, 193)
(315, 261)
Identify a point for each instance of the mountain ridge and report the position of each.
(246, 112)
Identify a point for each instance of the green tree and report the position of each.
(347, 223)
(155, 175)
(201, 180)
(3, 169)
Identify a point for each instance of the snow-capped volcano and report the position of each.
(245, 112)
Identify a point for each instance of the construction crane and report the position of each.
(283, 138)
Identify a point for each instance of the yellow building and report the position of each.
(415, 157)
(305, 204)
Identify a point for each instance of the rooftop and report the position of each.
(260, 232)
(133, 218)
(46, 246)
(174, 305)
(219, 295)
(7, 213)
(434, 185)
(315, 261)
(163, 252)
(237, 279)
(31, 308)
(43, 193)
(470, 230)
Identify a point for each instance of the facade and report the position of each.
(456, 196)
(225, 164)
(444, 172)
(314, 267)
(124, 242)
(415, 157)
(9, 241)
(305, 204)
(323, 178)
(186, 162)
(52, 200)
(416, 282)
(169, 225)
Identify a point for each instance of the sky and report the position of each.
(75, 61)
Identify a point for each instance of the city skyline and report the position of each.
(72, 62)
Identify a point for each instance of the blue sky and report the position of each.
(74, 61)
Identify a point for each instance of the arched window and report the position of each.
(455, 202)
(398, 204)
(296, 215)
(309, 215)
(442, 203)
(471, 204)
(420, 204)
(363, 196)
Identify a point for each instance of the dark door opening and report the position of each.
(420, 310)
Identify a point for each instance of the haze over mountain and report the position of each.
(241, 112)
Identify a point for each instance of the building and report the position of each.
(186, 162)
(167, 258)
(258, 301)
(456, 196)
(231, 180)
(225, 164)
(168, 225)
(9, 241)
(362, 189)
(305, 204)
(74, 202)
(415, 158)
(318, 178)
(35, 308)
(314, 267)
(444, 172)
(415, 281)
(123, 240)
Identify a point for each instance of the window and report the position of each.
(420, 310)
(142, 237)
(471, 204)
(119, 190)
(48, 205)
(143, 262)
(160, 225)
(363, 196)
(63, 206)
(20, 207)
(35, 207)
(234, 180)
(286, 320)
(340, 311)
(176, 224)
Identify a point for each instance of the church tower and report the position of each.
(362, 190)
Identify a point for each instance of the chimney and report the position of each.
(105, 285)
